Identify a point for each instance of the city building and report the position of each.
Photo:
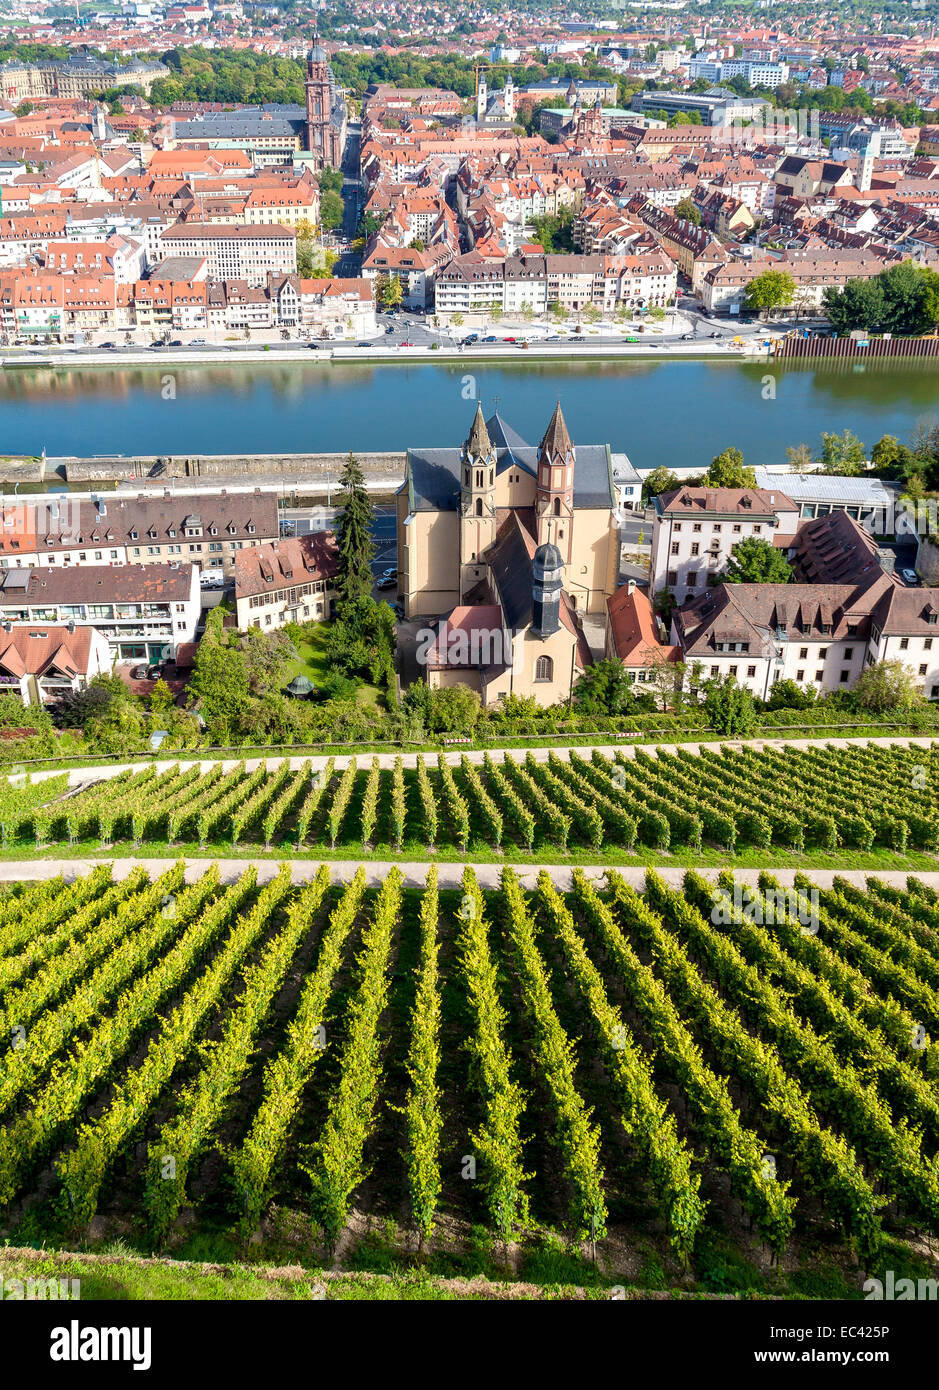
(696, 529)
(143, 611)
(288, 581)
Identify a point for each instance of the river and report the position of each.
(658, 412)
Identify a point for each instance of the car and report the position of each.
(490, 339)
(314, 344)
(364, 343)
(199, 342)
(407, 343)
(389, 573)
(140, 673)
(398, 610)
(177, 342)
(472, 338)
(632, 340)
(387, 582)
(715, 335)
(685, 337)
(109, 345)
(909, 576)
(157, 345)
(510, 340)
(389, 329)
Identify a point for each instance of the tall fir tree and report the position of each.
(354, 535)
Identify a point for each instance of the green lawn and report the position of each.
(311, 663)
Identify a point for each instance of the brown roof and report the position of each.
(633, 629)
(34, 650)
(97, 584)
(834, 549)
(737, 501)
(265, 568)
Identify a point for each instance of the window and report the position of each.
(757, 530)
(691, 580)
(673, 577)
(695, 549)
(676, 528)
(927, 644)
(674, 550)
(803, 653)
(696, 526)
(800, 674)
(751, 670)
(732, 670)
(714, 670)
(737, 530)
(843, 678)
(544, 669)
(819, 675)
(136, 550)
(823, 652)
(98, 555)
(923, 668)
(904, 643)
(848, 653)
(716, 528)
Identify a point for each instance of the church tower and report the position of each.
(477, 503)
(482, 97)
(547, 572)
(509, 98)
(554, 492)
(318, 104)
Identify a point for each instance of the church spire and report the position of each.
(556, 440)
(479, 444)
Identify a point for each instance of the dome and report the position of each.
(318, 54)
(547, 557)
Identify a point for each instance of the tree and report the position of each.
(330, 180)
(790, 695)
(24, 108)
(730, 708)
(799, 458)
(604, 688)
(331, 210)
(887, 685)
(354, 536)
(219, 680)
(592, 314)
(162, 698)
(687, 209)
(890, 456)
(843, 454)
(389, 291)
(417, 244)
(555, 232)
(660, 480)
(771, 290)
(727, 470)
(454, 709)
(755, 561)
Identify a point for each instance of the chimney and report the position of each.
(630, 586)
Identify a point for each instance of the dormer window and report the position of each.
(134, 536)
(213, 530)
(151, 533)
(250, 528)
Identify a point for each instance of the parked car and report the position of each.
(715, 334)
(909, 576)
(177, 342)
(199, 342)
(490, 339)
(510, 340)
(389, 573)
(387, 581)
(407, 343)
(472, 338)
(140, 673)
(390, 328)
(398, 610)
(109, 345)
(363, 343)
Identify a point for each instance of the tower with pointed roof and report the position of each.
(477, 502)
(323, 137)
(554, 491)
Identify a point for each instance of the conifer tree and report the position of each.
(354, 536)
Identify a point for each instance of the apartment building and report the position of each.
(289, 581)
(236, 253)
(695, 531)
(205, 530)
(144, 612)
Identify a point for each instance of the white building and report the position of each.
(696, 529)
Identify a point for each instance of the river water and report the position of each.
(658, 412)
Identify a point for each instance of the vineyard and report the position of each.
(823, 799)
(608, 1065)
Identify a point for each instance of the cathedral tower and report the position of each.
(554, 493)
(477, 503)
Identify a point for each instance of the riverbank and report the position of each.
(571, 351)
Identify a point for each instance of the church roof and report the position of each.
(433, 474)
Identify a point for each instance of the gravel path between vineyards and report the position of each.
(80, 775)
(450, 873)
